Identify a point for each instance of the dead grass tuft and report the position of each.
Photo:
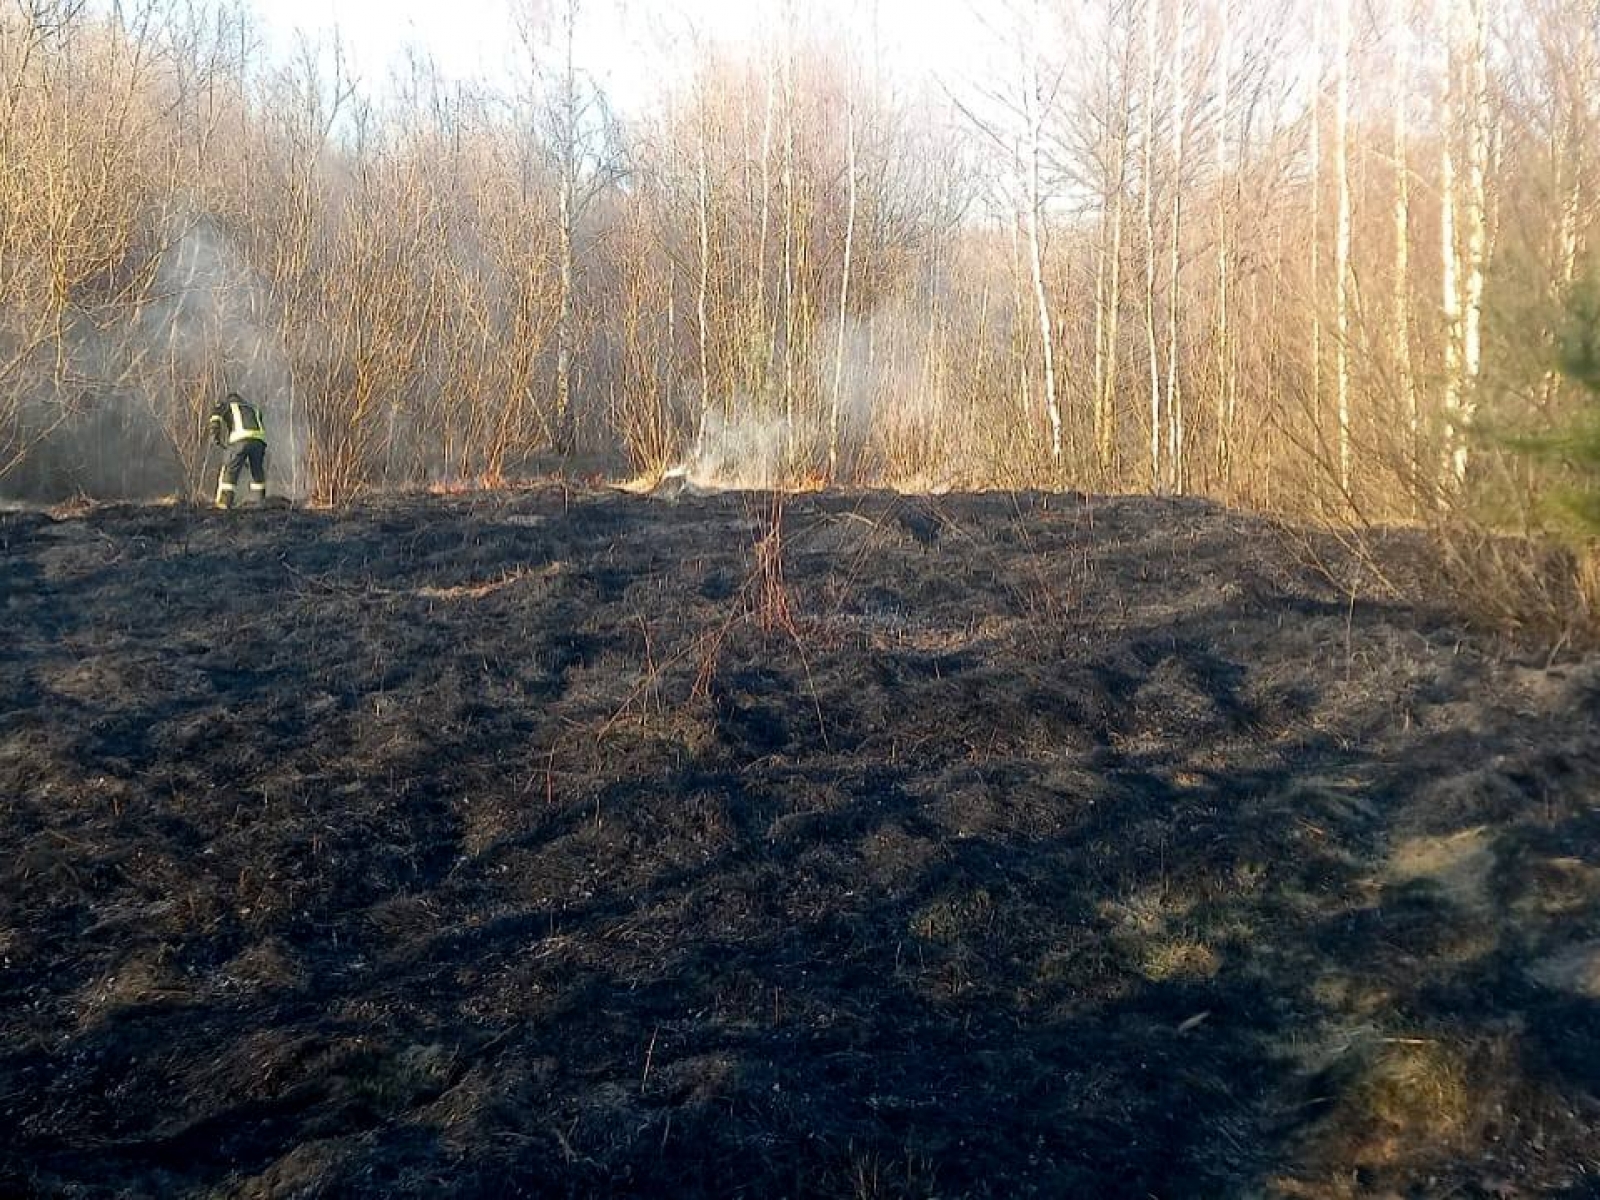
(1415, 1090)
(769, 590)
(480, 590)
(1409, 1106)
(1174, 959)
(1527, 587)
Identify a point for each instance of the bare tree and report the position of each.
(1341, 243)
(836, 404)
(1400, 17)
(1035, 114)
(1225, 380)
(1315, 298)
(1179, 118)
(1478, 135)
(1114, 151)
(1149, 202)
(580, 140)
(433, 282)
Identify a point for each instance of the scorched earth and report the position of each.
(570, 843)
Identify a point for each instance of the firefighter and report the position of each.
(236, 427)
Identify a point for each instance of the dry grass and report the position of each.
(1169, 959)
(479, 591)
(1416, 1093)
(769, 591)
(1412, 1109)
(1534, 588)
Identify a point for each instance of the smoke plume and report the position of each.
(113, 406)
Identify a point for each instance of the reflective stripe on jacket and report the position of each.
(246, 424)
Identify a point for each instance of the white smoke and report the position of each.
(114, 402)
(894, 405)
(212, 330)
(748, 452)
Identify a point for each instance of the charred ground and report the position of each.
(497, 845)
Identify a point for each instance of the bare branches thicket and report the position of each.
(1175, 262)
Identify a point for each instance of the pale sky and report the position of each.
(619, 40)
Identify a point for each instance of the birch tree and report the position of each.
(1341, 253)
(1225, 371)
(565, 129)
(463, 289)
(1149, 210)
(1478, 135)
(1114, 153)
(1034, 115)
(703, 291)
(1450, 261)
(579, 138)
(791, 234)
(1466, 108)
(837, 399)
(1315, 299)
(765, 328)
(1179, 117)
(1400, 18)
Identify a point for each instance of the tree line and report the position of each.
(1307, 256)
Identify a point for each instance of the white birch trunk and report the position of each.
(1224, 252)
(1150, 241)
(1401, 314)
(1033, 105)
(763, 328)
(1180, 116)
(1341, 151)
(1477, 232)
(1316, 221)
(1108, 271)
(702, 298)
(1113, 315)
(789, 218)
(844, 290)
(1450, 265)
(1101, 273)
(1449, 261)
(566, 220)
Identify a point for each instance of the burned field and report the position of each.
(567, 843)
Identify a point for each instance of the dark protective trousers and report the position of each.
(252, 454)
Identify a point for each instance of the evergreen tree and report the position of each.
(1577, 446)
(1580, 339)
(1580, 360)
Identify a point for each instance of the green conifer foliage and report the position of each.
(1576, 447)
